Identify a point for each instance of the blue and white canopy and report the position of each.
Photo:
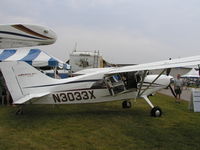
(34, 57)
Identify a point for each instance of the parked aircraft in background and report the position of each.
(25, 35)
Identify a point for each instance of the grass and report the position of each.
(103, 126)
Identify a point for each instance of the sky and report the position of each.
(124, 31)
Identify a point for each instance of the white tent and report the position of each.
(191, 74)
(34, 57)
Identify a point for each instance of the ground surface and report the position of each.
(104, 126)
(185, 95)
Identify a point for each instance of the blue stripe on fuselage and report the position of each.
(79, 81)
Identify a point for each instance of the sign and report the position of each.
(196, 100)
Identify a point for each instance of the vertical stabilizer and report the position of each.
(11, 81)
(19, 76)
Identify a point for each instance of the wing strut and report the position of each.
(141, 84)
(140, 94)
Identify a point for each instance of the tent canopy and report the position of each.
(191, 74)
(34, 57)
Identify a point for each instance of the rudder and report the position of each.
(20, 76)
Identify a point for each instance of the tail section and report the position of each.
(21, 80)
(25, 82)
(11, 81)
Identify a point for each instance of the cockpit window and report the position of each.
(99, 84)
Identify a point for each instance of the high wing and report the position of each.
(179, 62)
(25, 35)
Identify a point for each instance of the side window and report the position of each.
(99, 84)
(115, 84)
(131, 80)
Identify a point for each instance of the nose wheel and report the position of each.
(156, 112)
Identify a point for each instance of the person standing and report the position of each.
(178, 87)
(4, 92)
(1, 88)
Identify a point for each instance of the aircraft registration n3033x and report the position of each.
(28, 85)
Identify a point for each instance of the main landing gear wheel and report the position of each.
(126, 104)
(156, 112)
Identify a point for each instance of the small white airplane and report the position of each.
(28, 85)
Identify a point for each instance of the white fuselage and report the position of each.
(83, 92)
(28, 85)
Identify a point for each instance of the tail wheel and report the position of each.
(156, 112)
(126, 104)
(19, 112)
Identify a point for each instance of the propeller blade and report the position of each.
(171, 89)
(168, 71)
(199, 69)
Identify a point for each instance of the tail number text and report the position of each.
(72, 96)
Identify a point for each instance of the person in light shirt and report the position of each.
(178, 86)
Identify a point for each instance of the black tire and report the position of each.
(126, 104)
(156, 112)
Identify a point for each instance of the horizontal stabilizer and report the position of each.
(28, 97)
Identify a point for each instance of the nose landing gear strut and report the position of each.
(155, 111)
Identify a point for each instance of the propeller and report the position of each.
(170, 87)
(168, 70)
(172, 91)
